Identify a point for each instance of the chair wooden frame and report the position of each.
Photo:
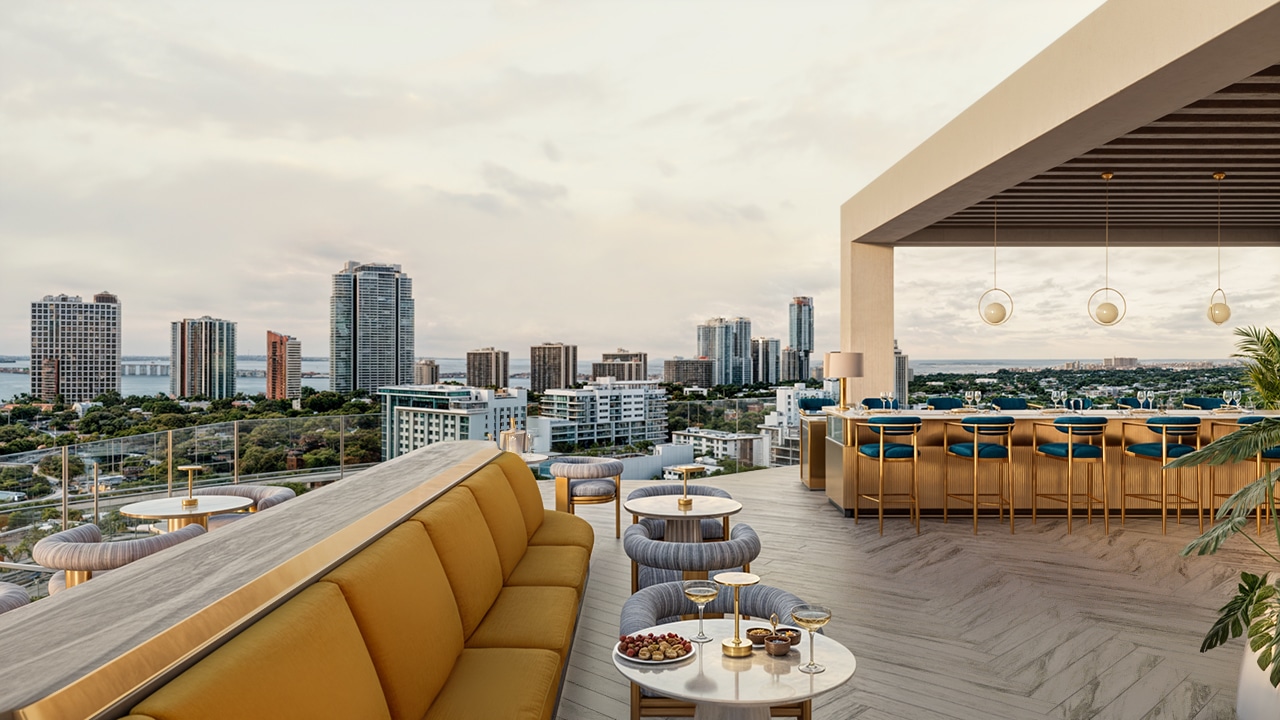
(1004, 496)
(880, 498)
(1093, 431)
(1164, 432)
(566, 502)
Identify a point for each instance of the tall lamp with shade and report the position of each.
(842, 365)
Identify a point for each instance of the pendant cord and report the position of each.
(1218, 177)
(995, 241)
(1106, 235)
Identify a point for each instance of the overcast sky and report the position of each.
(601, 173)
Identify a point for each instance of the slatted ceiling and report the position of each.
(1163, 171)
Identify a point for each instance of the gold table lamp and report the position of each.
(190, 500)
(735, 646)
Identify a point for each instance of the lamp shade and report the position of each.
(842, 365)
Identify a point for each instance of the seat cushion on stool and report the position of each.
(1081, 451)
(1271, 453)
(986, 451)
(892, 451)
(592, 488)
(1152, 449)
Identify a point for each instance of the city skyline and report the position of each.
(490, 149)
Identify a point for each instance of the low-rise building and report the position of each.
(415, 416)
(745, 448)
(603, 412)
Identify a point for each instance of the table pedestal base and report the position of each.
(180, 522)
(707, 711)
(687, 530)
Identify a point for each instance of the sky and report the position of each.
(599, 173)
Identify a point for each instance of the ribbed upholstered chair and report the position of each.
(263, 497)
(1177, 433)
(589, 481)
(1086, 443)
(655, 561)
(665, 602)
(896, 443)
(712, 529)
(12, 597)
(944, 403)
(992, 441)
(77, 553)
(1202, 403)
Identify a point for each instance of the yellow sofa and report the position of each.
(465, 610)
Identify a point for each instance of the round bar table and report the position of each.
(724, 688)
(172, 510)
(683, 524)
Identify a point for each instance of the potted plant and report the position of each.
(1255, 609)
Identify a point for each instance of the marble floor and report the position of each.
(947, 624)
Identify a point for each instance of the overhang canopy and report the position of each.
(1162, 93)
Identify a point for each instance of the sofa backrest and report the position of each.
(502, 515)
(467, 553)
(527, 493)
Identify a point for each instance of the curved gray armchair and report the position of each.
(665, 602)
(712, 529)
(263, 497)
(79, 552)
(12, 597)
(655, 561)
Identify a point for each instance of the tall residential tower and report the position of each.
(728, 343)
(370, 328)
(801, 312)
(487, 367)
(552, 365)
(202, 358)
(284, 367)
(75, 347)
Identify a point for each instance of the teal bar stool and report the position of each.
(1086, 443)
(1176, 435)
(896, 442)
(1267, 458)
(945, 403)
(1202, 403)
(992, 443)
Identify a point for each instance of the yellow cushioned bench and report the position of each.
(465, 610)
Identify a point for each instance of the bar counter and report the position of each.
(841, 454)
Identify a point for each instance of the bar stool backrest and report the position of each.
(999, 425)
(1129, 402)
(901, 425)
(1081, 426)
(945, 403)
(1249, 419)
(1010, 403)
(878, 404)
(1203, 403)
(1175, 427)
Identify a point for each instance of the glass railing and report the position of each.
(104, 475)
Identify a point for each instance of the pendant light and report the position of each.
(1106, 311)
(995, 307)
(1219, 312)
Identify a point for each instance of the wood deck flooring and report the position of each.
(947, 624)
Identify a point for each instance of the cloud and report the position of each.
(500, 178)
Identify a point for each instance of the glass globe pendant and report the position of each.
(995, 306)
(1106, 305)
(1219, 311)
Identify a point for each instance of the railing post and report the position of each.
(66, 453)
(342, 446)
(95, 492)
(235, 453)
(170, 462)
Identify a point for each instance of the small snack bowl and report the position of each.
(757, 634)
(792, 634)
(777, 644)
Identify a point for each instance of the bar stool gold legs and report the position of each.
(1086, 443)
(997, 429)
(898, 427)
(1172, 430)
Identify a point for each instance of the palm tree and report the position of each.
(1260, 349)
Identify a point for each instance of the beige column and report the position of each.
(866, 315)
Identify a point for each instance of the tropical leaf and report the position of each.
(1237, 614)
(1212, 539)
(1257, 493)
(1241, 445)
(1260, 349)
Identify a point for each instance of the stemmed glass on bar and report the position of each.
(701, 592)
(811, 617)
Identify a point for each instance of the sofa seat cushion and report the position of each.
(552, 565)
(470, 559)
(561, 528)
(507, 683)
(529, 617)
(399, 594)
(304, 659)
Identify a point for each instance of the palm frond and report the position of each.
(1260, 349)
(1243, 444)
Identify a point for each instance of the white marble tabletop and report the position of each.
(172, 507)
(724, 687)
(666, 507)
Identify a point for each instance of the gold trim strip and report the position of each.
(157, 660)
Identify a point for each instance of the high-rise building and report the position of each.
(801, 313)
(426, 372)
(552, 365)
(370, 328)
(415, 416)
(789, 365)
(764, 360)
(622, 365)
(202, 358)
(689, 372)
(601, 413)
(75, 347)
(284, 367)
(901, 375)
(487, 367)
(728, 344)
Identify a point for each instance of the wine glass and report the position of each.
(889, 396)
(883, 395)
(977, 398)
(1235, 396)
(1226, 397)
(1143, 397)
(811, 617)
(701, 592)
(968, 398)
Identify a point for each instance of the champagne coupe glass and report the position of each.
(811, 617)
(701, 592)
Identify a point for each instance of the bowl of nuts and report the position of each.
(652, 649)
